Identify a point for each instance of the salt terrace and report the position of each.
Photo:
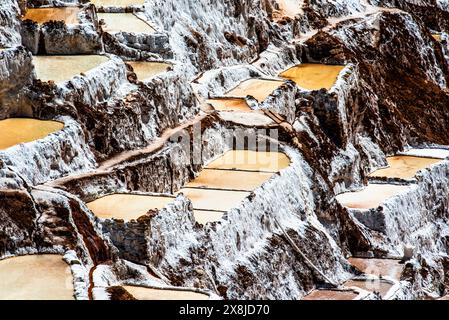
(219, 187)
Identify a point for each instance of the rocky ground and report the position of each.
(289, 238)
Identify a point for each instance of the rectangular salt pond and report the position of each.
(64, 68)
(229, 179)
(216, 190)
(260, 89)
(404, 167)
(251, 160)
(35, 277)
(229, 104)
(205, 216)
(375, 285)
(371, 197)
(215, 200)
(249, 119)
(141, 293)
(379, 267)
(117, 3)
(312, 76)
(42, 15)
(127, 206)
(22, 130)
(146, 70)
(124, 22)
(330, 295)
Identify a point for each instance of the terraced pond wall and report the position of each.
(416, 217)
(15, 73)
(58, 37)
(139, 114)
(60, 153)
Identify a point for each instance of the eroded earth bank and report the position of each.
(205, 149)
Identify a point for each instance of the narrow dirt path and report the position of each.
(131, 154)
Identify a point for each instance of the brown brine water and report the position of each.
(229, 179)
(35, 277)
(371, 197)
(22, 130)
(127, 206)
(145, 70)
(41, 15)
(375, 285)
(313, 76)
(124, 22)
(331, 295)
(404, 167)
(260, 89)
(63, 68)
(229, 104)
(141, 293)
(219, 187)
(379, 267)
(251, 160)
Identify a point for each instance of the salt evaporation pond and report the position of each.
(209, 199)
(229, 104)
(22, 130)
(219, 187)
(205, 216)
(374, 285)
(260, 89)
(249, 119)
(127, 206)
(379, 267)
(35, 277)
(146, 70)
(117, 3)
(404, 167)
(331, 295)
(312, 76)
(229, 179)
(63, 68)
(371, 197)
(42, 15)
(124, 22)
(251, 161)
(142, 293)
